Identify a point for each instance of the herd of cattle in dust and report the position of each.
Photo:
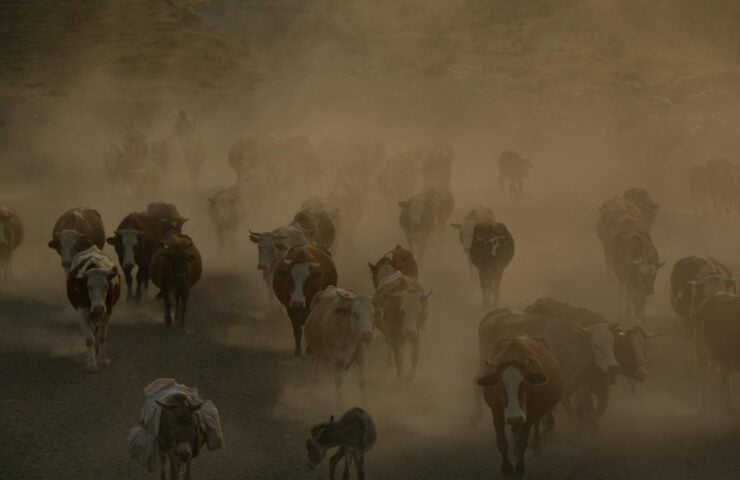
(551, 353)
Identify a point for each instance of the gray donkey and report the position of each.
(354, 434)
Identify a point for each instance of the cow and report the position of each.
(227, 210)
(194, 154)
(355, 435)
(491, 252)
(617, 216)
(272, 247)
(302, 273)
(169, 218)
(135, 240)
(175, 268)
(398, 179)
(93, 288)
(403, 305)
(717, 340)
(636, 264)
(644, 202)
(465, 229)
(630, 346)
(424, 215)
(693, 280)
(699, 189)
(720, 175)
(11, 236)
(399, 259)
(318, 225)
(585, 355)
(436, 168)
(76, 230)
(512, 170)
(345, 203)
(338, 330)
(522, 383)
(174, 427)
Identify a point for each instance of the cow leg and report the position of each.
(549, 422)
(334, 460)
(129, 281)
(338, 380)
(297, 336)
(536, 446)
(522, 439)
(398, 358)
(141, 281)
(496, 286)
(503, 445)
(188, 475)
(181, 307)
(167, 308)
(482, 277)
(414, 358)
(362, 375)
(568, 406)
(87, 331)
(361, 466)
(477, 405)
(102, 340)
(725, 388)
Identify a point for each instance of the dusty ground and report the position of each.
(601, 95)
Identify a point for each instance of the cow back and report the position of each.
(549, 307)
(84, 220)
(318, 224)
(400, 260)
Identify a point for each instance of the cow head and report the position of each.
(270, 247)
(97, 281)
(630, 347)
(645, 272)
(510, 379)
(179, 428)
(411, 306)
(360, 313)
(67, 243)
(315, 445)
(300, 273)
(415, 208)
(493, 242)
(601, 337)
(179, 256)
(127, 242)
(711, 285)
(465, 230)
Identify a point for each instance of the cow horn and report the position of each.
(287, 262)
(254, 233)
(456, 226)
(343, 295)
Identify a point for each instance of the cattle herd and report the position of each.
(551, 353)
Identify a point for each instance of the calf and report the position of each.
(404, 308)
(301, 274)
(227, 210)
(354, 434)
(491, 252)
(11, 236)
(272, 247)
(76, 230)
(339, 330)
(513, 169)
(522, 384)
(465, 229)
(399, 259)
(93, 288)
(175, 268)
(135, 240)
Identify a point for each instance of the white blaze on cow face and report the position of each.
(267, 250)
(97, 289)
(129, 240)
(67, 239)
(511, 379)
(602, 344)
(300, 272)
(494, 242)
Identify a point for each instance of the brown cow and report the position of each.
(302, 273)
(76, 230)
(718, 338)
(169, 218)
(135, 240)
(93, 288)
(319, 226)
(176, 266)
(399, 259)
(644, 202)
(465, 229)
(11, 236)
(522, 384)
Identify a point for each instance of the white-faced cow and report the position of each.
(522, 383)
(465, 229)
(135, 241)
(338, 330)
(491, 252)
(354, 435)
(93, 288)
(301, 274)
(11, 236)
(403, 305)
(272, 247)
(76, 230)
(227, 210)
(512, 170)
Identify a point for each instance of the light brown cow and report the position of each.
(76, 230)
(522, 384)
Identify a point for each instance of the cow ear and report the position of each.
(535, 378)
(111, 240)
(373, 268)
(52, 244)
(254, 238)
(456, 226)
(489, 380)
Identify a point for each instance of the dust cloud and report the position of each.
(601, 96)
